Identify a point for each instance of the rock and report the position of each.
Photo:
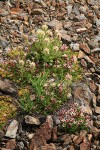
(85, 48)
(12, 129)
(93, 87)
(98, 117)
(7, 88)
(64, 36)
(3, 13)
(20, 145)
(85, 146)
(55, 24)
(43, 134)
(30, 136)
(32, 120)
(89, 60)
(80, 55)
(97, 66)
(98, 22)
(94, 101)
(95, 132)
(69, 9)
(97, 124)
(3, 42)
(71, 148)
(50, 146)
(97, 110)
(54, 133)
(75, 46)
(67, 25)
(67, 140)
(80, 30)
(95, 50)
(78, 139)
(37, 11)
(11, 144)
(83, 63)
(83, 96)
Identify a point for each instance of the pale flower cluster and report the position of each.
(44, 27)
(56, 48)
(40, 33)
(32, 65)
(49, 33)
(47, 40)
(46, 51)
(21, 62)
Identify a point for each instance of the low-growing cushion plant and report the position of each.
(74, 119)
(48, 66)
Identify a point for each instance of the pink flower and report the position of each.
(64, 47)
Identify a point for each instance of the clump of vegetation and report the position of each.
(49, 67)
(7, 109)
(73, 119)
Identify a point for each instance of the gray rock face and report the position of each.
(83, 96)
(12, 129)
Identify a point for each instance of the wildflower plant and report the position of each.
(73, 119)
(48, 66)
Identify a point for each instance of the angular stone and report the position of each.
(32, 120)
(71, 148)
(85, 48)
(80, 30)
(50, 146)
(83, 96)
(97, 66)
(75, 46)
(42, 135)
(65, 37)
(67, 25)
(95, 50)
(94, 101)
(80, 55)
(85, 146)
(12, 129)
(67, 140)
(38, 11)
(55, 24)
(78, 139)
(3, 13)
(7, 88)
(11, 144)
(97, 110)
(54, 133)
(83, 63)
(69, 9)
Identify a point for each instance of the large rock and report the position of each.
(32, 120)
(42, 135)
(83, 96)
(7, 88)
(12, 129)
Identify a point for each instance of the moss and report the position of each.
(7, 109)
